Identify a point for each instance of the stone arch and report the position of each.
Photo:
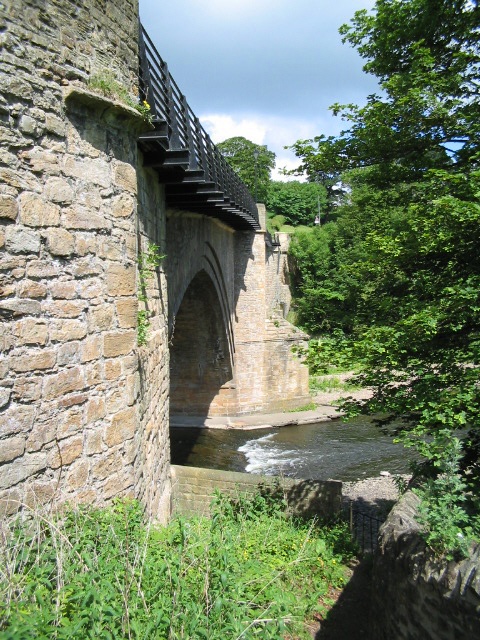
(201, 355)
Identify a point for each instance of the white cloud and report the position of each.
(273, 131)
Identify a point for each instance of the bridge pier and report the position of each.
(245, 362)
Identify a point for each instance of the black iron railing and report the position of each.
(365, 528)
(195, 172)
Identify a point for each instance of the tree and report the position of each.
(411, 157)
(298, 202)
(253, 171)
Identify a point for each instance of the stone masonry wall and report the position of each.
(279, 296)
(193, 489)
(415, 595)
(75, 421)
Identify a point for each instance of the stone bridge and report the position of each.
(88, 183)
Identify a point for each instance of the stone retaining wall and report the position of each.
(193, 488)
(418, 597)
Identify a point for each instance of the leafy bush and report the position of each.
(248, 572)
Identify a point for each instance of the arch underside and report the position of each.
(201, 355)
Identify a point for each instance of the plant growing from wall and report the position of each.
(107, 85)
(148, 261)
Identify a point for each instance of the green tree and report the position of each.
(411, 159)
(298, 202)
(252, 162)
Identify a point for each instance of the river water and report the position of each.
(325, 450)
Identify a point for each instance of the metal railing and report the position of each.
(364, 529)
(183, 143)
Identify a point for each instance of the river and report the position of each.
(324, 450)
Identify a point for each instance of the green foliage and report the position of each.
(148, 261)
(108, 85)
(296, 202)
(445, 501)
(400, 270)
(253, 172)
(247, 572)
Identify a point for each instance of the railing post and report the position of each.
(192, 156)
(172, 112)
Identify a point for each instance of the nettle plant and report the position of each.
(148, 261)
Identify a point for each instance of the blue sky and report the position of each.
(263, 69)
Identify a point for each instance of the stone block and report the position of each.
(100, 318)
(4, 396)
(16, 419)
(67, 452)
(113, 369)
(36, 212)
(130, 364)
(64, 309)
(68, 353)
(31, 289)
(118, 343)
(15, 472)
(94, 410)
(111, 248)
(63, 289)
(127, 309)
(7, 289)
(125, 176)
(28, 126)
(83, 218)
(64, 382)
(77, 475)
(16, 307)
(65, 330)
(94, 170)
(41, 269)
(58, 190)
(54, 125)
(34, 359)
(8, 207)
(89, 266)
(121, 279)
(85, 243)
(41, 161)
(21, 240)
(94, 374)
(93, 442)
(91, 288)
(31, 331)
(27, 389)
(121, 428)
(11, 448)
(60, 242)
(91, 349)
(123, 206)
(105, 466)
(70, 423)
(10, 502)
(42, 433)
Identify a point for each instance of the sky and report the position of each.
(266, 70)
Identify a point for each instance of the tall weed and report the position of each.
(248, 572)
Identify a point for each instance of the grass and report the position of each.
(247, 572)
(306, 407)
(330, 383)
